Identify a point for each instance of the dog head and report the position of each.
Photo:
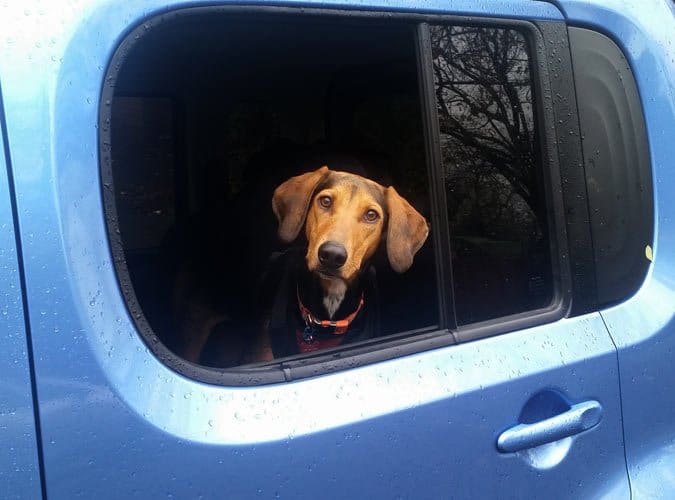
(346, 216)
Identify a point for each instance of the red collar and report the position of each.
(340, 326)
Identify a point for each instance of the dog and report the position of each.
(326, 284)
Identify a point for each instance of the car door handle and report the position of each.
(578, 418)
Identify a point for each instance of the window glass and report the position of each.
(492, 171)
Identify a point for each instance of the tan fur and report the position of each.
(296, 202)
(291, 200)
(344, 222)
(406, 232)
(352, 196)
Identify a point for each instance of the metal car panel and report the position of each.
(19, 463)
(116, 422)
(644, 326)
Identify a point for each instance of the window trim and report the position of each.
(557, 196)
(622, 218)
(399, 344)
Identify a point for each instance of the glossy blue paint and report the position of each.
(644, 327)
(117, 423)
(19, 469)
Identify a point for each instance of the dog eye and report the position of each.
(371, 216)
(325, 201)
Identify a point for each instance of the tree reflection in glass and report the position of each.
(484, 97)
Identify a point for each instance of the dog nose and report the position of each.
(332, 255)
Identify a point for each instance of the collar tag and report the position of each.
(308, 334)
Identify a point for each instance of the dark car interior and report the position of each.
(211, 113)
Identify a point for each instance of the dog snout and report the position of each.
(332, 255)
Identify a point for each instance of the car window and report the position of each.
(492, 171)
(208, 115)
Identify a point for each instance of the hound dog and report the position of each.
(328, 284)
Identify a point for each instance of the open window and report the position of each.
(206, 111)
(210, 113)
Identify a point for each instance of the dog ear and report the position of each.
(406, 232)
(291, 202)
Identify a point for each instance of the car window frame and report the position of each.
(447, 333)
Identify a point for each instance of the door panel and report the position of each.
(116, 422)
(644, 326)
(19, 466)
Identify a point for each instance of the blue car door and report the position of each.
(643, 326)
(20, 475)
(533, 412)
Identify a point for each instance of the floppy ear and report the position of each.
(291, 202)
(406, 232)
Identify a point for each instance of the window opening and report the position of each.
(209, 115)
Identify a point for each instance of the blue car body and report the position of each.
(87, 410)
